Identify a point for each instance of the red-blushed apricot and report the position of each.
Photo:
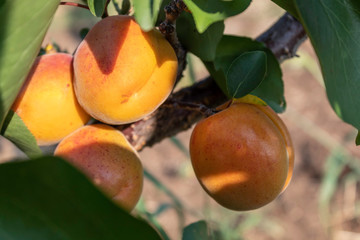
(239, 156)
(285, 132)
(105, 156)
(47, 103)
(123, 74)
(257, 102)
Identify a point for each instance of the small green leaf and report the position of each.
(42, 51)
(333, 28)
(202, 45)
(83, 32)
(22, 30)
(200, 231)
(245, 73)
(125, 7)
(271, 89)
(47, 198)
(207, 12)
(146, 13)
(97, 7)
(15, 130)
(357, 141)
(196, 231)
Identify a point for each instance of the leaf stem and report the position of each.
(106, 14)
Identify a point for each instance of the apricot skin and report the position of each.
(285, 132)
(47, 103)
(105, 156)
(123, 74)
(239, 156)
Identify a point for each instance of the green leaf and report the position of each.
(287, 5)
(333, 28)
(146, 13)
(246, 73)
(22, 29)
(83, 32)
(196, 231)
(97, 7)
(271, 89)
(207, 12)
(125, 7)
(203, 45)
(357, 141)
(200, 231)
(47, 198)
(14, 129)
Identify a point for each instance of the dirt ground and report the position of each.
(319, 136)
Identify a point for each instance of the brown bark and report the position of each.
(283, 39)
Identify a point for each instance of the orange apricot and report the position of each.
(240, 156)
(47, 103)
(122, 73)
(105, 156)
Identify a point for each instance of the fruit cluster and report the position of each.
(242, 156)
(119, 74)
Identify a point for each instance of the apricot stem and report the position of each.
(201, 108)
(75, 5)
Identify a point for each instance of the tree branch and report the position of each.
(283, 38)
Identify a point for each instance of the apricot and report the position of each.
(105, 156)
(47, 103)
(123, 74)
(240, 156)
(285, 132)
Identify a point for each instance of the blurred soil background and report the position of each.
(322, 201)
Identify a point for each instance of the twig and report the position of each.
(201, 108)
(166, 122)
(75, 5)
(284, 37)
(168, 29)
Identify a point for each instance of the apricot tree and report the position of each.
(123, 74)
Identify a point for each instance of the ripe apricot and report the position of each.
(259, 103)
(122, 73)
(240, 156)
(47, 103)
(285, 133)
(104, 155)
